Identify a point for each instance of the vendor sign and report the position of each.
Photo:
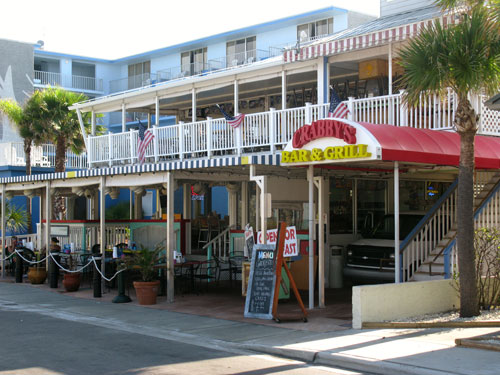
(291, 249)
(330, 141)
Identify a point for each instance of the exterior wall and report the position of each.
(66, 66)
(282, 189)
(376, 303)
(277, 38)
(164, 62)
(355, 19)
(16, 72)
(389, 7)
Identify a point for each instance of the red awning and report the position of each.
(431, 146)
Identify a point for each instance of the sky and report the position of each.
(111, 29)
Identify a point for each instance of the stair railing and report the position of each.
(219, 245)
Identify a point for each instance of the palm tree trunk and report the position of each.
(466, 126)
(27, 157)
(59, 201)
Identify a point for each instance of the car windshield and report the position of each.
(385, 228)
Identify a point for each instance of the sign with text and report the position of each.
(249, 240)
(291, 249)
(261, 283)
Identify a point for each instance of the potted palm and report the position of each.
(144, 261)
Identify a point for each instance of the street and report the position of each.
(33, 343)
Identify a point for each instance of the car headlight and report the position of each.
(349, 253)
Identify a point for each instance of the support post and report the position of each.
(308, 113)
(272, 129)
(193, 105)
(244, 203)
(319, 182)
(262, 184)
(283, 89)
(170, 237)
(181, 140)
(157, 111)
(102, 222)
(236, 98)
(187, 203)
(397, 275)
(350, 107)
(209, 137)
(82, 128)
(93, 123)
(322, 77)
(310, 179)
(124, 118)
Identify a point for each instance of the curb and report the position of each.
(396, 325)
(477, 343)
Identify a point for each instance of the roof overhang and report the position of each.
(338, 141)
(493, 103)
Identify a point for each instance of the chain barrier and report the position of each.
(104, 277)
(27, 260)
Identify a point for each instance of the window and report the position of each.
(313, 30)
(193, 62)
(242, 51)
(139, 74)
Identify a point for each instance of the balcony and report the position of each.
(270, 131)
(191, 70)
(71, 82)
(12, 154)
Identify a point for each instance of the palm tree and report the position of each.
(466, 57)
(16, 218)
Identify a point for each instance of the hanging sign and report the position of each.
(291, 248)
(249, 241)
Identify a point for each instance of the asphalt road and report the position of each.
(32, 343)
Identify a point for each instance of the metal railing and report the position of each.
(12, 153)
(68, 81)
(132, 82)
(269, 131)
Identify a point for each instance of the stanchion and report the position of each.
(19, 267)
(54, 270)
(96, 278)
(121, 297)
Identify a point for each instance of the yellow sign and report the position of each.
(329, 153)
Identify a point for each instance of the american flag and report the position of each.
(145, 138)
(233, 121)
(337, 107)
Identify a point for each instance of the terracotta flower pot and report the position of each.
(37, 275)
(71, 281)
(146, 291)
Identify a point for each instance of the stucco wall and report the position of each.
(377, 303)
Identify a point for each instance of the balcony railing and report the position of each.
(271, 131)
(68, 81)
(12, 153)
(132, 82)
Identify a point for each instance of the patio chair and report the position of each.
(206, 272)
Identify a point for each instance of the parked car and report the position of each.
(371, 258)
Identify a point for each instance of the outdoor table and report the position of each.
(178, 270)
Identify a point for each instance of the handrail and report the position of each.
(221, 236)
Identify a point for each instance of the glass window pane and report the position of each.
(371, 203)
(330, 25)
(303, 32)
(147, 67)
(340, 205)
(322, 27)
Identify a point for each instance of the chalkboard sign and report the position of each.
(262, 282)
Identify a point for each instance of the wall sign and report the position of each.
(59, 230)
(291, 249)
(329, 153)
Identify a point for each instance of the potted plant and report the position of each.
(71, 280)
(37, 273)
(144, 261)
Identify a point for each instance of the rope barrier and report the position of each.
(29, 261)
(104, 277)
(69, 271)
(10, 256)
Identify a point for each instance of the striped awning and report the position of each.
(379, 32)
(267, 159)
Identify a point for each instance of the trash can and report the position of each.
(336, 267)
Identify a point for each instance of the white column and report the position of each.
(93, 123)
(170, 237)
(193, 104)
(310, 179)
(263, 209)
(236, 98)
(102, 225)
(3, 230)
(186, 192)
(48, 215)
(322, 79)
(149, 120)
(244, 203)
(283, 89)
(257, 207)
(396, 223)
(124, 120)
(390, 69)
(320, 184)
(157, 111)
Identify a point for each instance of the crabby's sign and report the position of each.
(329, 140)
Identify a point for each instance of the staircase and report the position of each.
(428, 250)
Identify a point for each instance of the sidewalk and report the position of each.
(382, 351)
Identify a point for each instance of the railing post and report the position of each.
(110, 145)
(272, 129)
(239, 137)
(90, 152)
(403, 110)
(308, 113)
(181, 140)
(209, 136)
(155, 143)
(133, 153)
(350, 107)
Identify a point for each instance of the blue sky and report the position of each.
(111, 29)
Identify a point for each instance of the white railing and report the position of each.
(12, 153)
(68, 81)
(268, 131)
(219, 245)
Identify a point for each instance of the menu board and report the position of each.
(261, 284)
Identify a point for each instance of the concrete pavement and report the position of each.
(383, 351)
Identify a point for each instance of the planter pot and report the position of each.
(71, 281)
(146, 291)
(37, 275)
